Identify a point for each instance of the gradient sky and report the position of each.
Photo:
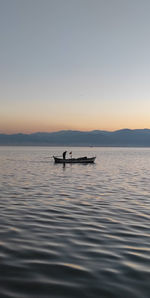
(74, 64)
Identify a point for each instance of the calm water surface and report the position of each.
(74, 231)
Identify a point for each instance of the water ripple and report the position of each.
(75, 230)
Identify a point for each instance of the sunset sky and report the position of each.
(74, 64)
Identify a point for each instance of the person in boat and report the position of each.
(64, 154)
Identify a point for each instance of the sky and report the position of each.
(74, 64)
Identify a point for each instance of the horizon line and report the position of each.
(73, 130)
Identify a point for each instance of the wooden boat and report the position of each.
(74, 160)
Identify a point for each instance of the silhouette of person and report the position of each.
(64, 154)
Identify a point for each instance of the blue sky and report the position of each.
(74, 64)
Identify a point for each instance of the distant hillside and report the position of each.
(119, 138)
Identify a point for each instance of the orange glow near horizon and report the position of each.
(28, 128)
(49, 119)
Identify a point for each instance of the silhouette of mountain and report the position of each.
(118, 138)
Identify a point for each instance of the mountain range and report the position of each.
(118, 138)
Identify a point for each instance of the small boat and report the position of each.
(84, 159)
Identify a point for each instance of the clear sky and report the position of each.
(74, 64)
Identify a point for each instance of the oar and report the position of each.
(55, 156)
(52, 156)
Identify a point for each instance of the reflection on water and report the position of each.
(76, 230)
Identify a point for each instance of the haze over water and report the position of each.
(74, 231)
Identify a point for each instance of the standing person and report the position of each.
(64, 154)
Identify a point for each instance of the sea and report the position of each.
(74, 230)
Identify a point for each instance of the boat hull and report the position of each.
(74, 160)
